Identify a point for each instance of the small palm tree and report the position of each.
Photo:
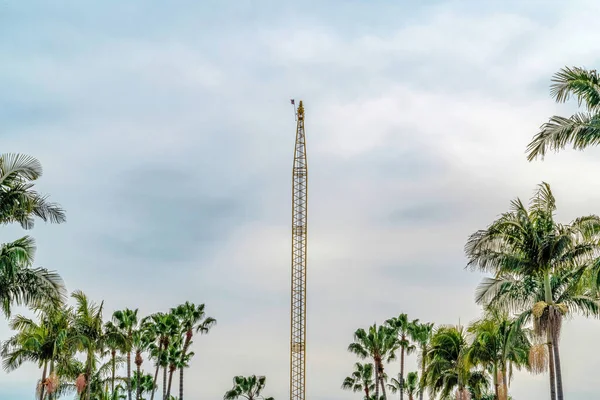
(193, 320)
(126, 322)
(361, 379)
(380, 344)
(411, 385)
(114, 342)
(449, 369)
(582, 129)
(500, 344)
(87, 334)
(249, 388)
(423, 333)
(406, 332)
(162, 327)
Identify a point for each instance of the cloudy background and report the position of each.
(166, 132)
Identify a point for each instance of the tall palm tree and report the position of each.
(141, 341)
(423, 333)
(126, 322)
(115, 341)
(249, 388)
(173, 359)
(379, 344)
(527, 245)
(406, 332)
(88, 335)
(499, 344)
(361, 379)
(193, 321)
(582, 129)
(162, 327)
(20, 284)
(44, 342)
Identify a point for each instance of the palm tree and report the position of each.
(361, 379)
(88, 335)
(193, 320)
(379, 344)
(449, 369)
(499, 344)
(527, 295)
(141, 341)
(395, 384)
(173, 359)
(582, 129)
(114, 341)
(142, 383)
(249, 388)
(18, 201)
(22, 285)
(162, 327)
(126, 322)
(411, 385)
(406, 332)
(423, 334)
(44, 342)
(527, 245)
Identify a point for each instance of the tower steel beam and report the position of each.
(298, 293)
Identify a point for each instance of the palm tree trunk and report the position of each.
(114, 369)
(129, 375)
(548, 299)
(382, 384)
(156, 372)
(551, 369)
(376, 381)
(367, 391)
(496, 384)
(422, 380)
(138, 391)
(171, 371)
(42, 387)
(186, 344)
(504, 382)
(402, 370)
(181, 383)
(559, 386)
(165, 382)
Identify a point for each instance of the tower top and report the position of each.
(300, 110)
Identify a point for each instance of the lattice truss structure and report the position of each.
(298, 306)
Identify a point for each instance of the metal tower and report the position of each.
(298, 306)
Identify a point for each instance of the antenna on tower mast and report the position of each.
(295, 112)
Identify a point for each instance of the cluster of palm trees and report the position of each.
(75, 349)
(540, 272)
(455, 362)
(58, 335)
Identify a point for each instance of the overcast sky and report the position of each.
(166, 132)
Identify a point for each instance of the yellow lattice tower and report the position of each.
(298, 304)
